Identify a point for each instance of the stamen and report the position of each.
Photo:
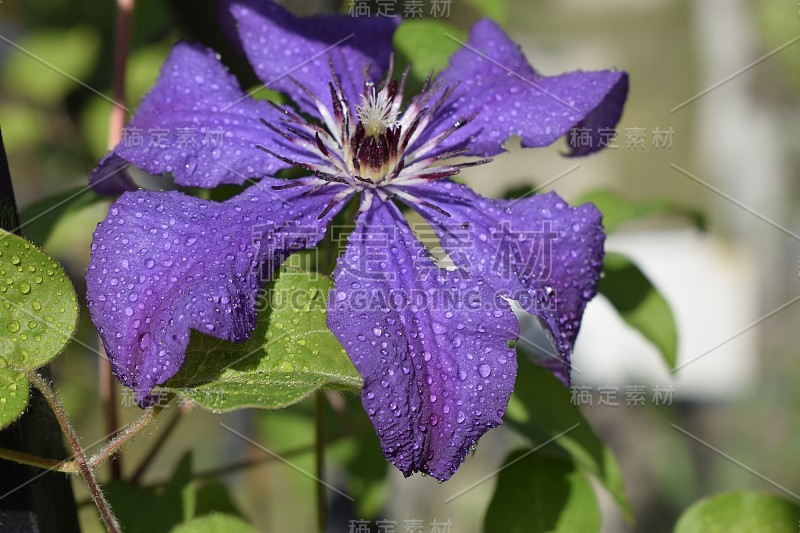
(335, 200)
(414, 200)
(375, 113)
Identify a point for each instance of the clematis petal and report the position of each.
(431, 345)
(537, 250)
(163, 263)
(282, 47)
(493, 79)
(198, 124)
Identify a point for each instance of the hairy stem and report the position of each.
(108, 450)
(68, 467)
(123, 437)
(84, 468)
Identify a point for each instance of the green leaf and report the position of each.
(39, 220)
(146, 509)
(142, 510)
(640, 304)
(740, 512)
(215, 523)
(39, 306)
(538, 493)
(72, 51)
(494, 9)
(13, 395)
(618, 210)
(291, 354)
(541, 409)
(214, 497)
(427, 45)
(38, 316)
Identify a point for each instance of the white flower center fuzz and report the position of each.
(376, 113)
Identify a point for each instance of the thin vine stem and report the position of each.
(108, 450)
(123, 437)
(67, 467)
(84, 468)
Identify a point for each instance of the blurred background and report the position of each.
(710, 128)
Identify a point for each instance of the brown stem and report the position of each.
(122, 48)
(116, 123)
(85, 470)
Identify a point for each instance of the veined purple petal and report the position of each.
(198, 124)
(163, 263)
(537, 250)
(494, 80)
(431, 345)
(282, 47)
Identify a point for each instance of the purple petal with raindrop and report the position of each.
(282, 47)
(164, 263)
(197, 124)
(537, 250)
(431, 345)
(493, 80)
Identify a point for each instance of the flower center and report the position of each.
(376, 113)
(376, 147)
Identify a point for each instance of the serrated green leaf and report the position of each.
(427, 45)
(541, 409)
(740, 512)
(291, 354)
(215, 523)
(640, 304)
(618, 210)
(39, 310)
(36, 75)
(13, 394)
(541, 493)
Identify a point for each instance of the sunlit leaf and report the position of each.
(494, 9)
(740, 512)
(13, 394)
(427, 45)
(541, 493)
(38, 316)
(618, 210)
(215, 523)
(640, 304)
(291, 354)
(51, 60)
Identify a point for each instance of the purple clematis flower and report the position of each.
(430, 343)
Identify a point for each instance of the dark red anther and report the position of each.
(439, 175)
(435, 208)
(321, 146)
(337, 104)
